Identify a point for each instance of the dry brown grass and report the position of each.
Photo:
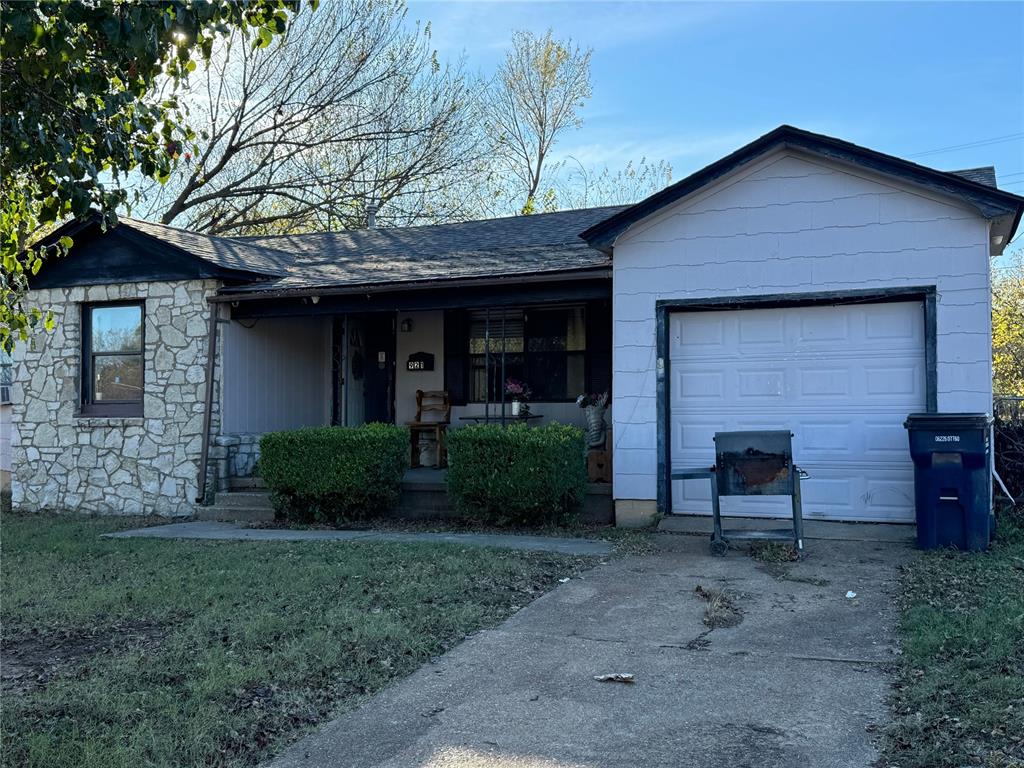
(721, 610)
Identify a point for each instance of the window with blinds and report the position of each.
(543, 348)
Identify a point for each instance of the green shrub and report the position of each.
(334, 474)
(515, 474)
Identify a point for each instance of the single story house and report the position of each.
(802, 283)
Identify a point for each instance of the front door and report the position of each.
(379, 367)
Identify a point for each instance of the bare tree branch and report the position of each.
(348, 109)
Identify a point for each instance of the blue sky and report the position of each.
(690, 82)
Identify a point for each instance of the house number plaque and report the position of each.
(420, 361)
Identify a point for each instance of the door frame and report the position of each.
(665, 307)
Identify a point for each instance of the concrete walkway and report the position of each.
(799, 682)
(813, 529)
(234, 532)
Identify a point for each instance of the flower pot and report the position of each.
(515, 408)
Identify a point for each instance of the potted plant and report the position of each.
(594, 407)
(520, 394)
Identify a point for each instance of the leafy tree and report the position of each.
(77, 116)
(1008, 327)
(537, 95)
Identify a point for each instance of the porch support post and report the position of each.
(503, 368)
(487, 366)
(211, 365)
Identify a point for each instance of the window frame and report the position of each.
(115, 408)
(584, 354)
(6, 377)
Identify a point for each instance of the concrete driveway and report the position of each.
(800, 681)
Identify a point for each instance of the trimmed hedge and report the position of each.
(334, 474)
(515, 474)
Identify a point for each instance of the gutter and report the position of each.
(211, 364)
(591, 273)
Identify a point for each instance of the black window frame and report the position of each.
(112, 408)
(6, 377)
(523, 358)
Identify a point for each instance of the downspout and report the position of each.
(211, 363)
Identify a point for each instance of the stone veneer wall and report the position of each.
(126, 466)
(234, 456)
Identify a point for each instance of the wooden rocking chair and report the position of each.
(433, 414)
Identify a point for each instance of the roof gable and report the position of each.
(119, 256)
(989, 202)
(227, 253)
(135, 251)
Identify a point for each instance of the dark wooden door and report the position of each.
(379, 366)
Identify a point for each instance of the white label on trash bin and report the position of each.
(947, 438)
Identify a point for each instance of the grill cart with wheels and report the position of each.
(755, 463)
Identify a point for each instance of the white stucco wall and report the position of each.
(427, 335)
(791, 223)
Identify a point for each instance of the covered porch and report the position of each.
(353, 356)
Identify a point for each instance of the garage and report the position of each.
(841, 377)
(801, 283)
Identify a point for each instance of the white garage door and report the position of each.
(841, 378)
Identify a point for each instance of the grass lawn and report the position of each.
(179, 653)
(960, 696)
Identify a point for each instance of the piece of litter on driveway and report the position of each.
(615, 677)
(562, 581)
(850, 595)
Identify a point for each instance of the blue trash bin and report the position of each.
(952, 479)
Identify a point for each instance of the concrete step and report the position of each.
(245, 483)
(235, 514)
(424, 497)
(244, 499)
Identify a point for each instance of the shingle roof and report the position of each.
(545, 242)
(986, 175)
(230, 253)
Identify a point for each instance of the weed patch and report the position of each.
(774, 552)
(721, 610)
(959, 698)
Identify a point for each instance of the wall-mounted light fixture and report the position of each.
(407, 325)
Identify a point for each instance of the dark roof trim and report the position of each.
(990, 202)
(243, 293)
(71, 228)
(147, 234)
(225, 253)
(207, 269)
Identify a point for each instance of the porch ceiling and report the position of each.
(584, 285)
